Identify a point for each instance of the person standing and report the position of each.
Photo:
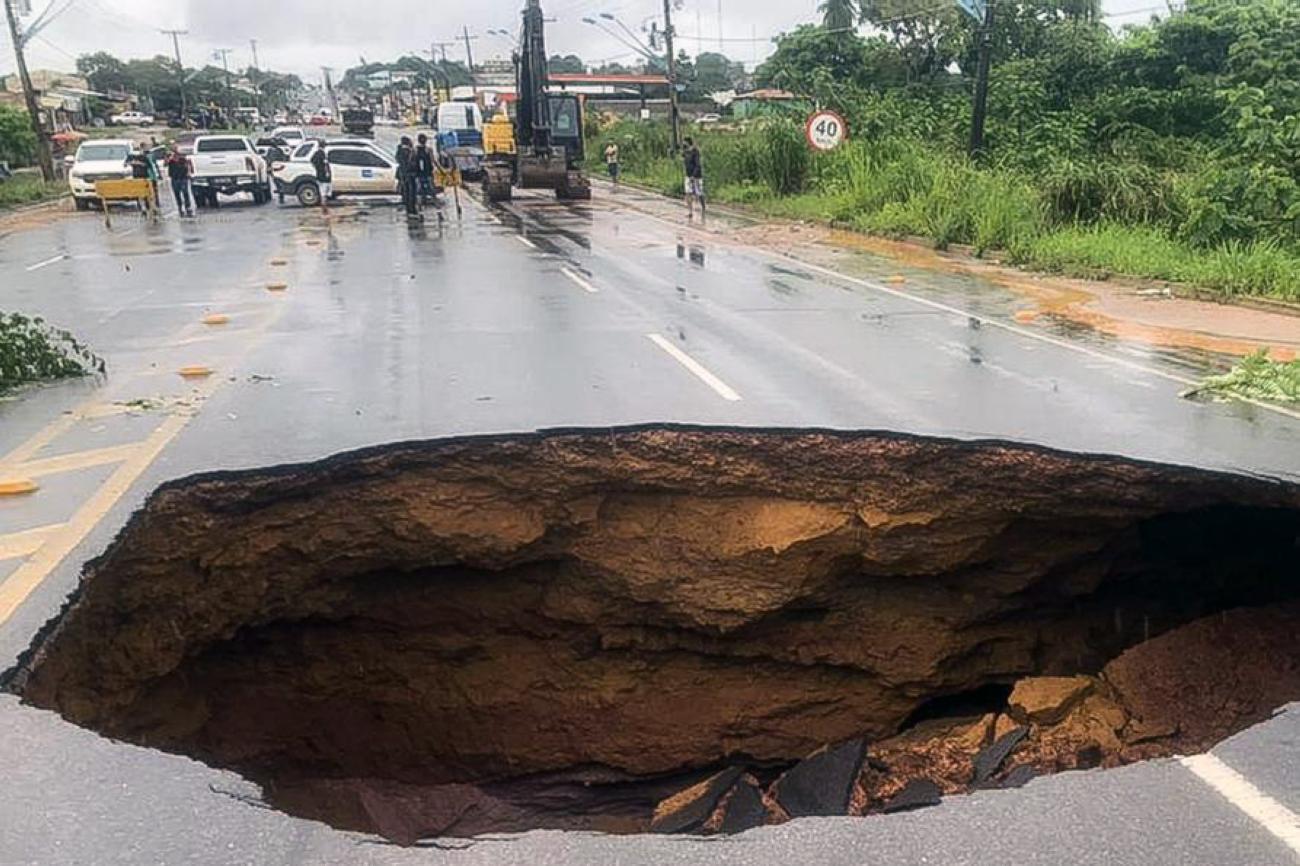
(611, 161)
(694, 178)
(406, 176)
(320, 162)
(424, 168)
(179, 171)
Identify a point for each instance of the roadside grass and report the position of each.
(27, 188)
(31, 350)
(1071, 217)
(1258, 377)
(1261, 268)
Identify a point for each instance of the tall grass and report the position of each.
(1069, 216)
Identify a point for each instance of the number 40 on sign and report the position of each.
(826, 130)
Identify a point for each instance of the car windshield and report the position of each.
(220, 145)
(103, 152)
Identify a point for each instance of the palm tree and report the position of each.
(838, 14)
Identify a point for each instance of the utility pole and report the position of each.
(672, 76)
(257, 88)
(223, 53)
(43, 157)
(329, 89)
(180, 72)
(469, 58)
(981, 83)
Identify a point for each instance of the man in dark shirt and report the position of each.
(424, 167)
(406, 168)
(694, 178)
(320, 161)
(179, 171)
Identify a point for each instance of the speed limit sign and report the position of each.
(826, 130)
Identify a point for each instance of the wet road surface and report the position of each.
(540, 315)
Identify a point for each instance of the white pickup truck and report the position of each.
(225, 165)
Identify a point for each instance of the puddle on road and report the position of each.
(576, 630)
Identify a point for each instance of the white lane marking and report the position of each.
(995, 323)
(723, 389)
(526, 242)
(49, 261)
(1237, 790)
(582, 284)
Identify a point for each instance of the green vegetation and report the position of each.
(1170, 150)
(27, 189)
(33, 351)
(17, 141)
(1257, 377)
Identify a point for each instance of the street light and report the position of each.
(610, 16)
(634, 45)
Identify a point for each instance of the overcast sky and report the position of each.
(303, 35)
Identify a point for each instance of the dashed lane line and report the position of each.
(50, 261)
(577, 279)
(1238, 790)
(695, 367)
(526, 242)
(957, 311)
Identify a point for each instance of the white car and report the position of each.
(292, 134)
(97, 160)
(357, 168)
(225, 165)
(131, 118)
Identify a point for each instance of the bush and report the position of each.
(17, 141)
(27, 188)
(32, 351)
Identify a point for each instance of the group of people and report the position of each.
(179, 171)
(692, 164)
(416, 163)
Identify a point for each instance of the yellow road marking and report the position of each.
(29, 575)
(77, 460)
(27, 542)
(62, 540)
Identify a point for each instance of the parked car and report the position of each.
(273, 149)
(705, 119)
(131, 118)
(319, 120)
(95, 161)
(358, 168)
(225, 165)
(292, 134)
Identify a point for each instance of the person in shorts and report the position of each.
(611, 161)
(694, 178)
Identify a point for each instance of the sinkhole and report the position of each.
(677, 628)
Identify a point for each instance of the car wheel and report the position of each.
(82, 203)
(309, 195)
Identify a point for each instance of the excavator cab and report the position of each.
(566, 125)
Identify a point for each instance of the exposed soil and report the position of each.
(562, 630)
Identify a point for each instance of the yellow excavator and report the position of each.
(546, 148)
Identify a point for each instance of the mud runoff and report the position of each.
(692, 629)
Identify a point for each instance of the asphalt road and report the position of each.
(541, 315)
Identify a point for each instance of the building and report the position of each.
(61, 97)
(769, 102)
